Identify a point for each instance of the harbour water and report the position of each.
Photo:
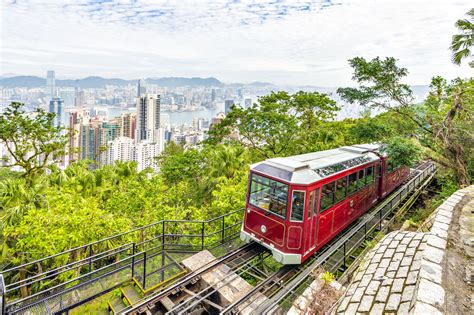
(180, 118)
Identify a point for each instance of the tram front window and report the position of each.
(268, 194)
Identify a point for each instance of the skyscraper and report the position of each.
(68, 95)
(141, 88)
(213, 95)
(79, 100)
(128, 123)
(148, 117)
(50, 84)
(56, 106)
(228, 105)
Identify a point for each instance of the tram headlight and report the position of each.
(263, 228)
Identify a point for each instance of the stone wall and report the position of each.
(429, 295)
(403, 273)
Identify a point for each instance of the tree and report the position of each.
(278, 125)
(402, 152)
(462, 43)
(443, 123)
(31, 140)
(226, 160)
(449, 111)
(178, 164)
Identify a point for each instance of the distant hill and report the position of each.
(178, 81)
(23, 81)
(420, 91)
(99, 82)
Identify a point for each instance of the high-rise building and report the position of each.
(50, 84)
(120, 149)
(68, 95)
(228, 106)
(91, 136)
(128, 123)
(239, 93)
(146, 153)
(213, 95)
(79, 100)
(141, 88)
(56, 107)
(148, 117)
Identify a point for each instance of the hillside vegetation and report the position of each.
(45, 210)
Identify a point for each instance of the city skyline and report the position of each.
(296, 43)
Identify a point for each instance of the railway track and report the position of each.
(282, 285)
(344, 252)
(236, 259)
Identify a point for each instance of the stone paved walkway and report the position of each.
(387, 277)
(404, 272)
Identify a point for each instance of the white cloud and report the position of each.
(291, 42)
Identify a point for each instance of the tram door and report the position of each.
(311, 220)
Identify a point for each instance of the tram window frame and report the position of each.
(300, 210)
(344, 195)
(371, 176)
(324, 207)
(360, 179)
(351, 191)
(257, 183)
(312, 196)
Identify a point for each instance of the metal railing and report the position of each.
(134, 255)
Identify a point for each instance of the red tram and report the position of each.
(297, 204)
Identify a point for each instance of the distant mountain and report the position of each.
(99, 82)
(257, 83)
(7, 75)
(178, 81)
(420, 91)
(23, 81)
(94, 82)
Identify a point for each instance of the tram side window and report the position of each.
(327, 196)
(369, 175)
(341, 189)
(352, 183)
(361, 179)
(297, 205)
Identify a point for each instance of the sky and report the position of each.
(283, 42)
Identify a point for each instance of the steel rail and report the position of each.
(191, 276)
(278, 275)
(242, 269)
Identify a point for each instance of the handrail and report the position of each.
(212, 232)
(119, 235)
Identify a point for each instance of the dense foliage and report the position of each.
(45, 210)
(31, 139)
(463, 42)
(443, 122)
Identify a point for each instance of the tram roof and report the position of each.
(311, 167)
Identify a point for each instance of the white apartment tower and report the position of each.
(148, 118)
(121, 149)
